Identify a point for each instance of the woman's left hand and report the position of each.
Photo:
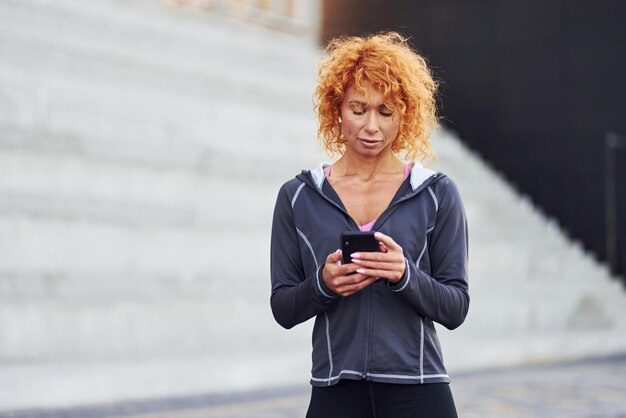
(387, 264)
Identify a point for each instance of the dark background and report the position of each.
(534, 87)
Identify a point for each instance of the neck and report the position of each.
(367, 167)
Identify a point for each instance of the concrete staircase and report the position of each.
(141, 149)
(536, 295)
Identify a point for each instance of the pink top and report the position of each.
(368, 226)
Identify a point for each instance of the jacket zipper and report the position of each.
(368, 333)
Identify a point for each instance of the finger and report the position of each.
(388, 257)
(347, 269)
(388, 262)
(391, 275)
(334, 271)
(343, 275)
(350, 279)
(334, 258)
(351, 289)
(387, 240)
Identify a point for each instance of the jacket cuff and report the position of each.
(321, 287)
(404, 281)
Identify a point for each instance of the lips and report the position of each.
(369, 141)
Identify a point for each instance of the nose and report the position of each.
(371, 124)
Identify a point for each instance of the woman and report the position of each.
(375, 348)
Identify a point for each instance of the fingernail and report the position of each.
(360, 271)
(355, 255)
(356, 261)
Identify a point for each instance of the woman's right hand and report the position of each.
(343, 279)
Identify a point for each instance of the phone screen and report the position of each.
(353, 241)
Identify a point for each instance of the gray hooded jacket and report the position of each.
(384, 333)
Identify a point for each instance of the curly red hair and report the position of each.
(386, 62)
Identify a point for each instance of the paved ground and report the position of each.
(594, 388)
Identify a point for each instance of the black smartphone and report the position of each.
(356, 241)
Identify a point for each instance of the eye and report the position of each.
(358, 108)
(385, 111)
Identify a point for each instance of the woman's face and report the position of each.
(368, 126)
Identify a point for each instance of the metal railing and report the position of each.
(284, 15)
(615, 215)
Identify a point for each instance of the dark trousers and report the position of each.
(363, 399)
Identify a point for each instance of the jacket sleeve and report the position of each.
(295, 297)
(442, 297)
